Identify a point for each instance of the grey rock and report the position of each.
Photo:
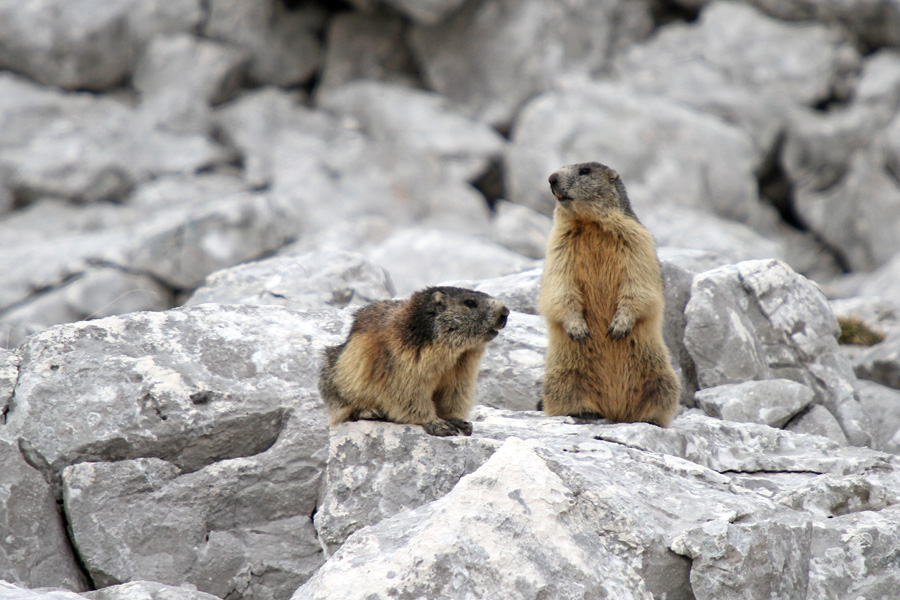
(722, 549)
(282, 44)
(410, 470)
(190, 386)
(771, 402)
(818, 421)
(419, 123)
(35, 551)
(761, 320)
(9, 374)
(146, 590)
(849, 555)
(492, 57)
(203, 68)
(309, 281)
(882, 404)
(417, 257)
(714, 65)
(243, 524)
(713, 171)
(512, 368)
(366, 45)
(88, 148)
(426, 12)
(681, 227)
(520, 228)
(883, 282)
(73, 45)
(880, 363)
(8, 591)
(846, 191)
(677, 281)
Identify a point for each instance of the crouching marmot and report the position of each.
(413, 361)
(602, 298)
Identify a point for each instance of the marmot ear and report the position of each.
(612, 176)
(437, 297)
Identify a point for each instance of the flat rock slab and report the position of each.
(772, 402)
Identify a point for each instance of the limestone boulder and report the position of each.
(701, 500)
(759, 320)
(418, 257)
(696, 161)
(62, 43)
(307, 281)
(771, 402)
(135, 590)
(492, 57)
(366, 45)
(419, 123)
(521, 229)
(512, 368)
(282, 43)
(883, 405)
(244, 527)
(35, 551)
(715, 64)
(187, 387)
(818, 420)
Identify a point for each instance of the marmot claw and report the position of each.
(464, 427)
(440, 428)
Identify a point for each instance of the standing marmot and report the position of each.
(413, 361)
(602, 298)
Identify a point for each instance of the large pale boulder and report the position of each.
(491, 57)
(760, 320)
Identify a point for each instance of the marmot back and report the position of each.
(602, 298)
(413, 361)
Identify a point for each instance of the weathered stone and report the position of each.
(880, 363)
(147, 590)
(9, 591)
(426, 12)
(205, 69)
(34, 549)
(189, 386)
(882, 404)
(714, 170)
(309, 281)
(411, 470)
(818, 420)
(366, 46)
(771, 402)
(420, 123)
(282, 43)
(244, 527)
(9, 374)
(760, 320)
(520, 228)
(88, 148)
(492, 57)
(512, 368)
(715, 63)
(853, 556)
(418, 257)
(681, 227)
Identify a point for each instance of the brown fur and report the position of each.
(603, 301)
(413, 361)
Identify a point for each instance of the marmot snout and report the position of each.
(413, 361)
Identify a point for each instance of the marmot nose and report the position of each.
(553, 178)
(504, 313)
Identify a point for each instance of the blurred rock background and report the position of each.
(253, 170)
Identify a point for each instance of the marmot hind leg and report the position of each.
(659, 401)
(564, 394)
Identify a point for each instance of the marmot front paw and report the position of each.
(577, 330)
(620, 327)
(464, 427)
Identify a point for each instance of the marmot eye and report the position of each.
(470, 303)
(584, 171)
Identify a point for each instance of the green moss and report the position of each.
(854, 331)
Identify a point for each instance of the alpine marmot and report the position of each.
(602, 298)
(413, 361)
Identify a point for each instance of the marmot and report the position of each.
(413, 361)
(602, 298)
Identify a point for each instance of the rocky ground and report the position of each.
(196, 194)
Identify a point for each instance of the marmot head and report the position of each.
(454, 316)
(590, 190)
